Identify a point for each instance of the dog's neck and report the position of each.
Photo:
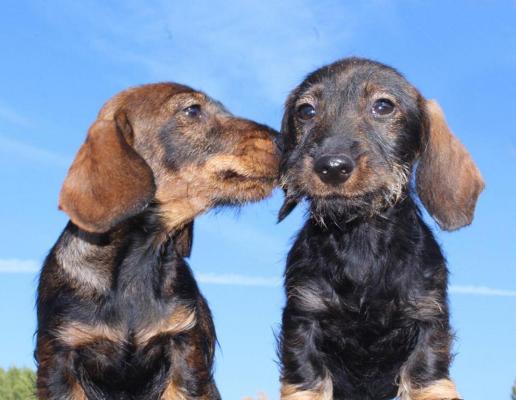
(357, 250)
(93, 261)
(343, 223)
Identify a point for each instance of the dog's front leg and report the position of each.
(192, 351)
(425, 375)
(320, 390)
(56, 379)
(304, 377)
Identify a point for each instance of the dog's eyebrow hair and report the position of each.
(218, 104)
(167, 98)
(170, 96)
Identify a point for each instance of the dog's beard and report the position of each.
(340, 209)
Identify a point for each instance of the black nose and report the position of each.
(334, 169)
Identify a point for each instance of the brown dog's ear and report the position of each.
(448, 181)
(108, 181)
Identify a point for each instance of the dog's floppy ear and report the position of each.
(291, 199)
(108, 181)
(288, 205)
(448, 181)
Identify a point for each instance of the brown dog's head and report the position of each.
(169, 144)
(351, 135)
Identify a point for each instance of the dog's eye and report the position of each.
(305, 111)
(383, 107)
(193, 111)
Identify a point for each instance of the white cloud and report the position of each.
(13, 117)
(239, 233)
(18, 266)
(263, 45)
(238, 280)
(482, 291)
(15, 265)
(33, 153)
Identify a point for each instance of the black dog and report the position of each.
(367, 313)
(120, 316)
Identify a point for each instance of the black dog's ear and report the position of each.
(288, 206)
(448, 181)
(183, 240)
(291, 199)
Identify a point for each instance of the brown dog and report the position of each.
(119, 313)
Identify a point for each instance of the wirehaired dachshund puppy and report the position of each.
(367, 311)
(120, 315)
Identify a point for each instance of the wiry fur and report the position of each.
(120, 316)
(366, 282)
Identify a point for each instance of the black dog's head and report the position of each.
(351, 134)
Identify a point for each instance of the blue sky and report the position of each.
(61, 60)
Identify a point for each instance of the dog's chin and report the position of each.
(236, 189)
(338, 208)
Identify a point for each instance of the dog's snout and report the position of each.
(334, 169)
